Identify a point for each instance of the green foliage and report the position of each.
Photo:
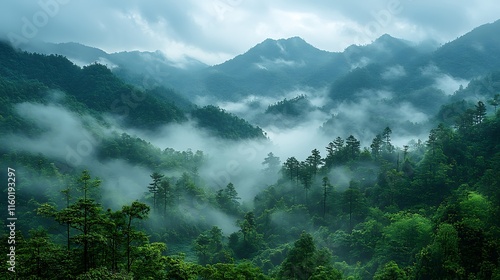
(390, 271)
(210, 249)
(241, 271)
(227, 199)
(405, 237)
(39, 252)
(294, 108)
(325, 273)
(150, 262)
(103, 273)
(304, 261)
(299, 263)
(224, 124)
(248, 240)
(432, 215)
(93, 86)
(177, 268)
(441, 259)
(138, 151)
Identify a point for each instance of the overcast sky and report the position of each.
(216, 30)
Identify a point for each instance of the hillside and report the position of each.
(93, 86)
(471, 55)
(94, 89)
(285, 162)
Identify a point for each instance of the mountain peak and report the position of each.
(289, 47)
(387, 39)
(293, 49)
(292, 42)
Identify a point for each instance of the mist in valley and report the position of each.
(285, 151)
(71, 140)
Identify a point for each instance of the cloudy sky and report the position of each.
(216, 30)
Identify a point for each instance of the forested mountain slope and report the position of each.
(96, 88)
(100, 192)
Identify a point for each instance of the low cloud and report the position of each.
(394, 72)
(63, 135)
(448, 84)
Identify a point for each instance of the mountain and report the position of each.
(95, 90)
(269, 68)
(388, 64)
(273, 67)
(143, 69)
(473, 54)
(276, 66)
(276, 54)
(108, 179)
(385, 49)
(92, 88)
(77, 53)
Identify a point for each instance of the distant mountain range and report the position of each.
(388, 73)
(275, 66)
(95, 91)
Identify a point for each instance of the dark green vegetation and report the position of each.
(26, 77)
(225, 124)
(276, 66)
(293, 108)
(429, 209)
(426, 211)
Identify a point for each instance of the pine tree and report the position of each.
(376, 146)
(480, 112)
(386, 136)
(272, 163)
(136, 210)
(353, 147)
(495, 101)
(305, 176)
(154, 186)
(314, 161)
(299, 262)
(164, 193)
(326, 185)
(291, 167)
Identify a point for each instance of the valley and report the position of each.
(284, 162)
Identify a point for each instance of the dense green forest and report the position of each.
(427, 209)
(94, 89)
(293, 108)
(423, 211)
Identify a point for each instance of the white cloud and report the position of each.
(448, 84)
(442, 81)
(394, 72)
(214, 31)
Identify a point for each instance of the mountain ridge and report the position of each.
(275, 66)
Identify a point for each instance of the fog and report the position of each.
(394, 72)
(363, 118)
(443, 81)
(71, 140)
(227, 161)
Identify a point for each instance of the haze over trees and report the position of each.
(102, 193)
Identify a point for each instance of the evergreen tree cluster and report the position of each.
(427, 210)
(423, 211)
